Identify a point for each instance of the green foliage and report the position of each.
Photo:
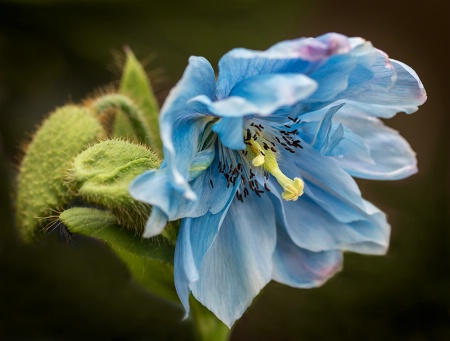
(135, 84)
(41, 190)
(67, 165)
(149, 260)
(207, 325)
(101, 175)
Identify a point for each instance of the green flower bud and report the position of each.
(101, 175)
(41, 190)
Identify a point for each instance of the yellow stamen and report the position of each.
(258, 160)
(292, 188)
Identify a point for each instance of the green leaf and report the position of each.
(41, 189)
(136, 85)
(149, 260)
(102, 174)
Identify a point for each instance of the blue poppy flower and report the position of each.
(260, 164)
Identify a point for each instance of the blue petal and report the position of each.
(313, 49)
(262, 95)
(394, 87)
(229, 130)
(336, 140)
(230, 107)
(294, 56)
(213, 191)
(180, 123)
(327, 184)
(239, 262)
(185, 270)
(184, 144)
(194, 240)
(331, 214)
(332, 78)
(155, 224)
(391, 156)
(301, 268)
(153, 187)
(273, 91)
(312, 227)
(323, 135)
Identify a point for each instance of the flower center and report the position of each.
(267, 159)
(252, 166)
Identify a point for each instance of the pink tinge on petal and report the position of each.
(310, 49)
(336, 43)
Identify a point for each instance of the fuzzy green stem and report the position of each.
(123, 103)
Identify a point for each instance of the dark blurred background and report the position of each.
(53, 52)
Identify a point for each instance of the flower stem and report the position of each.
(126, 105)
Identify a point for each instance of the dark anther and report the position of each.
(267, 188)
(249, 135)
(239, 196)
(211, 182)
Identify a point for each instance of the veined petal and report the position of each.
(272, 91)
(394, 87)
(180, 123)
(194, 240)
(332, 78)
(239, 262)
(301, 268)
(186, 132)
(312, 49)
(185, 269)
(300, 56)
(327, 184)
(323, 135)
(392, 156)
(181, 127)
(261, 94)
(313, 228)
(213, 191)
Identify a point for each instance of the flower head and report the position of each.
(259, 165)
